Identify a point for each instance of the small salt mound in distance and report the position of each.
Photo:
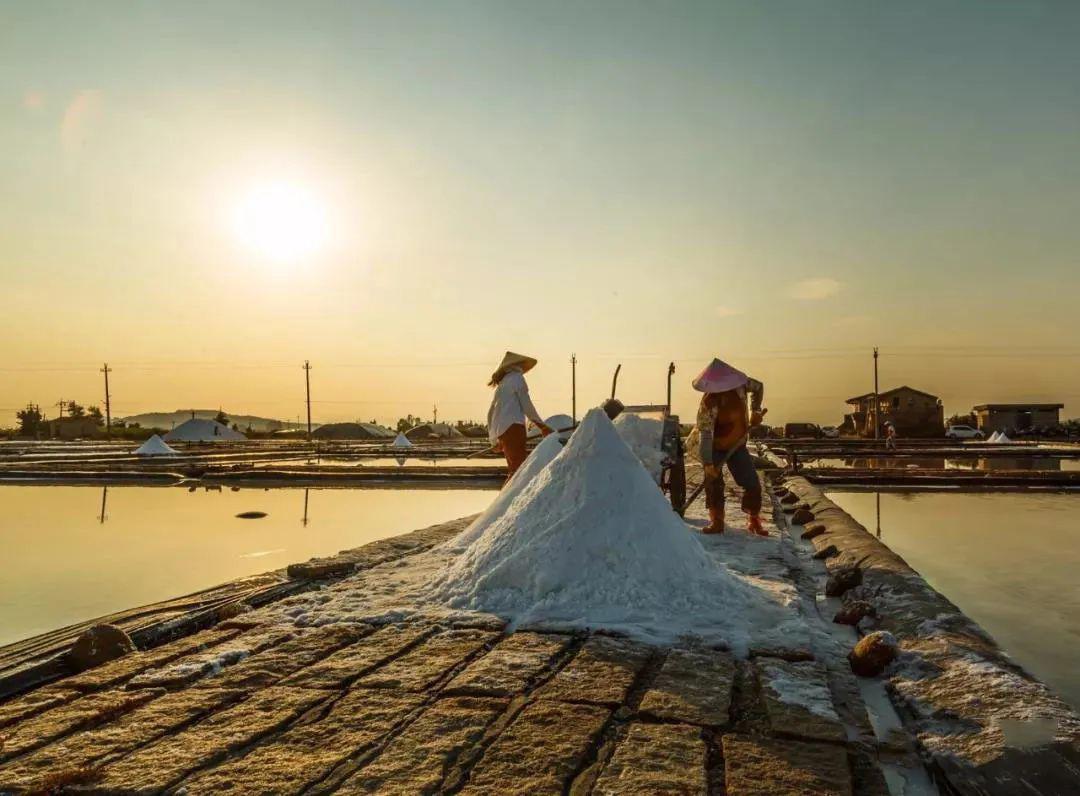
(544, 453)
(401, 441)
(643, 436)
(591, 542)
(1002, 438)
(155, 446)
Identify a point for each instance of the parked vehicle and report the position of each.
(963, 432)
(793, 430)
(830, 432)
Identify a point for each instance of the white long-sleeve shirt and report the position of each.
(511, 404)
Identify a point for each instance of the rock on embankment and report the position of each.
(959, 693)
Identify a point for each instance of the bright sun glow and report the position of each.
(281, 221)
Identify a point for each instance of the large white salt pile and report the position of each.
(643, 436)
(591, 542)
(541, 456)
(401, 441)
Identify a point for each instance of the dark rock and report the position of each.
(826, 552)
(812, 531)
(854, 612)
(843, 580)
(98, 645)
(873, 653)
(789, 499)
(802, 516)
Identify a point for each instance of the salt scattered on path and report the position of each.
(590, 541)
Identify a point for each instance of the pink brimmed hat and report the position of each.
(719, 376)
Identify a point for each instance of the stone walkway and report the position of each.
(259, 705)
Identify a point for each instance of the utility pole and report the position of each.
(573, 387)
(877, 408)
(670, 373)
(307, 384)
(108, 405)
(61, 403)
(435, 414)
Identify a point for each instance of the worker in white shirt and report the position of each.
(511, 407)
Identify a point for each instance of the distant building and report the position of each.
(74, 428)
(352, 431)
(1016, 417)
(913, 412)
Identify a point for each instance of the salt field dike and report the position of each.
(575, 632)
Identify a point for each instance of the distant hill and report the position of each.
(167, 420)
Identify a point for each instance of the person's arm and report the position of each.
(527, 405)
(705, 423)
(757, 396)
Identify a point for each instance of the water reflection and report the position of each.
(77, 552)
(1008, 560)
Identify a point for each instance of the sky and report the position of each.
(783, 185)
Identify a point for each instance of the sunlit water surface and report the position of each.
(1008, 560)
(73, 553)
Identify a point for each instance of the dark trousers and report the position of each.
(742, 470)
(513, 447)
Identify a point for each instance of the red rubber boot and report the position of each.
(753, 525)
(716, 521)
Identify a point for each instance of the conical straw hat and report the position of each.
(510, 360)
(719, 376)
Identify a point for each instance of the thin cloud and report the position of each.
(79, 118)
(853, 320)
(814, 289)
(724, 311)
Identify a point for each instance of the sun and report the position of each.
(281, 221)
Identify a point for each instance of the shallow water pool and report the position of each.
(1007, 560)
(73, 553)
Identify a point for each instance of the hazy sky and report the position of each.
(781, 184)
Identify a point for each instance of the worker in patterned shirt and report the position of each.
(723, 428)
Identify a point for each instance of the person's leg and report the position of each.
(714, 502)
(742, 469)
(513, 447)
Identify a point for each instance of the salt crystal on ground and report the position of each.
(643, 435)
(591, 542)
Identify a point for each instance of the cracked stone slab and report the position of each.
(798, 701)
(277, 663)
(141, 726)
(161, 765)
(511, 667)
(122, 669)
(602, 672)
(767, 767)
(656, 758)
(305, 754)
(345, 665)
(182, 672)
(86, 711)
(693, 686)
(540, 751)
(419, 668)
(418, 759)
